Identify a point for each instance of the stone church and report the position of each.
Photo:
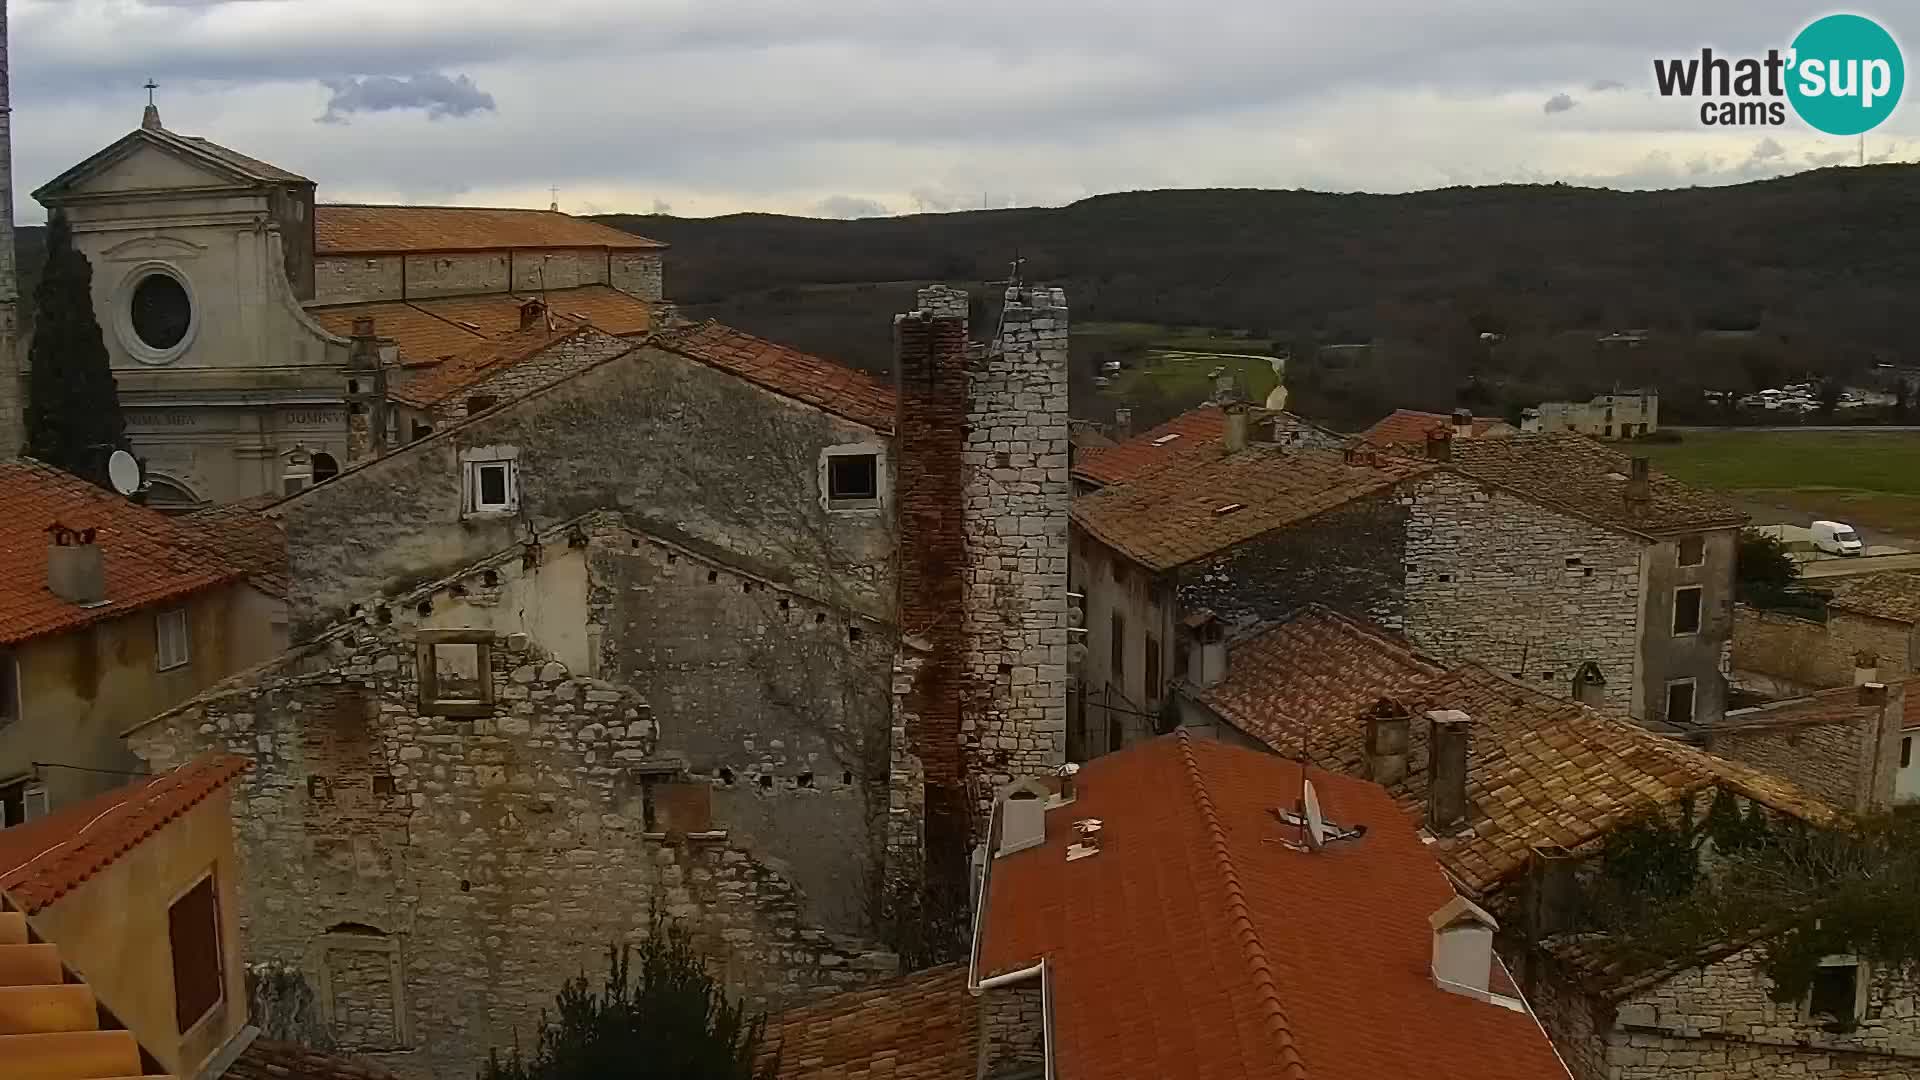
(229, 300)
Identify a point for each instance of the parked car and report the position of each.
(1836, 538)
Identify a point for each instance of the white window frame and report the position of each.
(881, 485)
(476, 461)
(1693, 698)
(1699, 611)
(165, 659)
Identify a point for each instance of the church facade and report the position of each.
(229, 299)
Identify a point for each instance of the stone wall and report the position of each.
(1348, 558)
(1823, 760)
(480, 860)
(1014, 710)
(352, 279)
(1013, 1034)
(1577, 1034)
(1501, 581)
(1818, 654)
(1842, 745)
(681, 451)
(576, 352)
(638, 274)
(349, 278)
(1720, 1023)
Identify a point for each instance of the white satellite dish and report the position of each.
(123, 472)
(1316, 823)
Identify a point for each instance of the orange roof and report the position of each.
(266, 1059)
(443, 328)
(1541, 770)
(245, 538)
(483, 361)
(44, 860)
(1195, 943)
(832, 386)
(1407, 427)
(922, 1027)
(149, 557)
(1579, 476)
(1891, 595)
(1125, 460)
(349, 228)
(1206, 500)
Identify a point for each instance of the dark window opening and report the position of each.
(1693, 550)
(489, 578)
(1680, 703)
(1153, 668)
(481, 403)
(853, 477)
(1118, 643)
(726, 777)
(324, 467)
(193, 931)
(161, 311)
(9, 689)
(493, 484)
(1686, 611)
(846, 778)
(1835, 993)
(421, 431)
(853, 633)
(766, 781)
(805, 780)
(1906, 752)
(785, 603)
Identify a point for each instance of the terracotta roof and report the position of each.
(1195, 943)
(1541, 770)
(149, 557)
(439, 329)
(1127, 459)
(1408, 427)
(243, 537)
(252, 166)
(1205, 500)
(1890, 595)
(832, 386)
(922, 1027)
(266, 1059)
(482, 362)
(43, 860)
(1579, 476)
(348, 228)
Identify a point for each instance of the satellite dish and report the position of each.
(1316, 823)
(123, 472)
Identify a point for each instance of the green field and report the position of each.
(1157, 369)
(1868, 478)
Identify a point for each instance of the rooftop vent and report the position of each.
(1165, 439)
(1229, 508)
(1088, 831)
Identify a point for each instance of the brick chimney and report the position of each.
(1553, 891)
(1235, 437)
(1439, 444)
(1639, 483)
(76, 568)
(1226, 388)
(1389, 726)
(1448, 734)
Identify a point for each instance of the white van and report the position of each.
(1836, 537)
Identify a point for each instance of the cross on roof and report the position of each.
(150, 87)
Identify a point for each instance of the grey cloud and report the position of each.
(1559, 103)
(1832, 157)
(1767, 149)
(662, 206)
(849, 206)
(433, 92)
(1601, 86)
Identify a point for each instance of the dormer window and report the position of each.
(490, 481)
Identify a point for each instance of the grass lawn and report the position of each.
(1182, 379)
(1867, 478)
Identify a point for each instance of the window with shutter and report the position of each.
(193, 926)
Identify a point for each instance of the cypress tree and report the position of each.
(73, 407)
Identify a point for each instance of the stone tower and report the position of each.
(12, 387)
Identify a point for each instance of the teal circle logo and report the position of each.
(1846, 74)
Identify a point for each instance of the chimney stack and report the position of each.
(1554, 890)
(1866, 668)
(1462, 424)
(1225, 389)
(1236, 434)
(1447, 748)
(1439, 445)
(366, 393)
(76, 569)
(1122, 425)
(1639, 483)
(1388, 728)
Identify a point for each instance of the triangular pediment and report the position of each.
(141, 162)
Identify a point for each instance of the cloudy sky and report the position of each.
(856, 107)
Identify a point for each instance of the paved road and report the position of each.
(1769, 514)
(1829, 568)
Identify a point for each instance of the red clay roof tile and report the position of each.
(1195, 943)
(838, 389)
(1892, 595)
(482, 362)
(1588, 479)
(266, 1059)
(347, 228)
(149, 558)
(922, 1027)
(44, 860)
(242, 536)
(428, 331)
(1409, 428)
(1128, 458)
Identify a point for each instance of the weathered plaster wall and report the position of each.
(351, 279)
(480, 861)
(1492, 578)
(1849, 755)
(682, 451)
(1148, 609)
(639, 275)
(1819, 654)
(1704, 657)
(576, 352)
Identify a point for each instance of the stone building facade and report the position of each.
(1847, 746)
(539, 354)
(1786, 652)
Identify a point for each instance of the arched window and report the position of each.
(324, 467)
(170, 496)
(1589, 686)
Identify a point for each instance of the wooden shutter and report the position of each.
(193, 927)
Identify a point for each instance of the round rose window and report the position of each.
(161, 311)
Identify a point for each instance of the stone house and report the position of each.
(1872, 621)
(1095, 467)
(835, 610)
(1621, 415)
(1851, 746)
(111, 613)
(1548, 558)
(1408, 429)
(119, 954)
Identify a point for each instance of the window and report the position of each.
(160, 311)
(1906, 752)
(1693, 550)
(324, 467)
(1119, 643)
(9, 689)
(172, 640)
(456, 672)
(421, 431)
(1686, 610)
(193, 931)
(1680, 702)
(1607, 431)
(491, 484)
(851, 477)
(1836, 993)
(22, 801)
(1153, 668)
(481, 403)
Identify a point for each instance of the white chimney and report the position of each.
(76, 570)
(1462, 946)
(1023, 818)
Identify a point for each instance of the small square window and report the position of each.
(1686, 610)
(22, 801)
(1835, 995)
(1680, 702)
(853, 476)
(1693, 550)
(172, 639)
(456, 672)
(491, 486)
